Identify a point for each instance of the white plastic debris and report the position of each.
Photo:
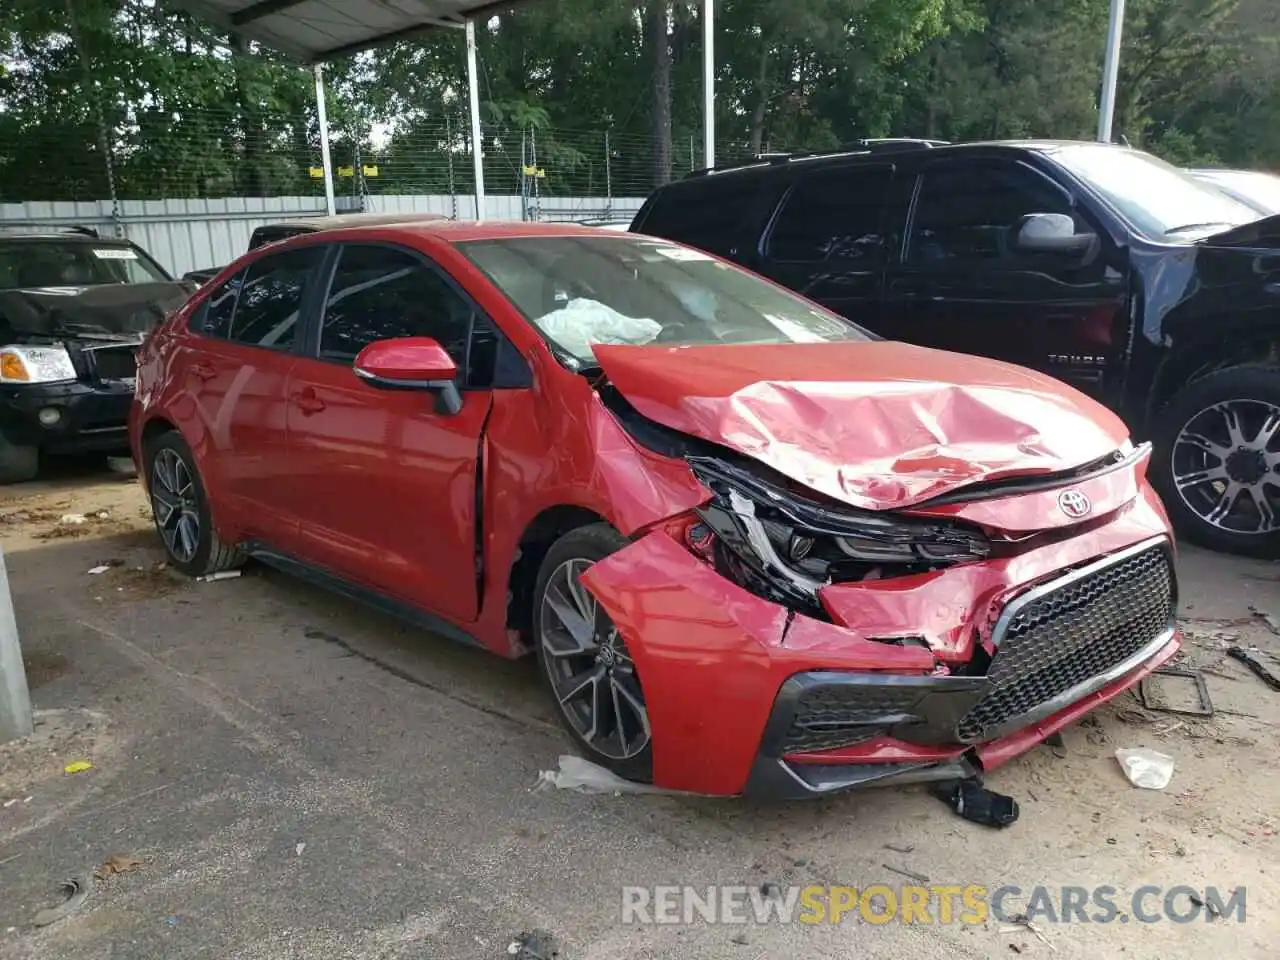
(584, 776)
(72, 518)
(10, 803)
(582, 322)
(298, 848)
(1146, 768)
(100, 568)
(220, 575)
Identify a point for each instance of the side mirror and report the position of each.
(1051, 233)
(411, 363)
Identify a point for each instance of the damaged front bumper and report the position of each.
(924, 677)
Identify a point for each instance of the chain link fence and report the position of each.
(222, 153)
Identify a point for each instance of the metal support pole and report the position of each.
(15, 699)
(608, 176)
(477, 138)
(1110, 71)
(708, 83)
(325, 160)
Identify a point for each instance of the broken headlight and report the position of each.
(787, 547)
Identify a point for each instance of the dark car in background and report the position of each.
(74, 307)
(1254, 188)
(275, 232)
(1103, 266)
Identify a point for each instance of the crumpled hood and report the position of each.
(878, 425)
(124, 309)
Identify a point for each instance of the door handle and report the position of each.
(203, 370)
(308, 402)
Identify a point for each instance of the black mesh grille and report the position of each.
(115, 363)
(1071, 635)
(841, 715)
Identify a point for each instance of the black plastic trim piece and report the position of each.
(942, 701)
(371, 598)
(1019, 485)
(775, 779)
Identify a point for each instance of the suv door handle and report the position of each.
(203, 370)
(308, 402)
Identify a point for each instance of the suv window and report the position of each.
(834, 215)
(380, 293)
(969, 212)
(266, 313)
(706, 213)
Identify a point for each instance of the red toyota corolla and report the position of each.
(754, 548)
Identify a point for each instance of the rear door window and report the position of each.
(272, 296)
(833, 215)
(214, 318)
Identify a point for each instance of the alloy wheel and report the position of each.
(590, 668)
(1226, 466)
(173, 501)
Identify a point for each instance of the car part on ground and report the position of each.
(969, 247)
(727, 587)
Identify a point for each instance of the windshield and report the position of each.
(582, 291)
(1163, 202)
(54, 263)
(1259, 190)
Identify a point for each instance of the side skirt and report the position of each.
(362, 595)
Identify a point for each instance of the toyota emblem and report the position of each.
(1074, 504)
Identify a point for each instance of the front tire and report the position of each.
(18, 464)
(1217, 461)
(585, 662)
(180, 508)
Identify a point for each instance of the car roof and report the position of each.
(900, 148)
(341, 220)
(459, 231)
(70, 236)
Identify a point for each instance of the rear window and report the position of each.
(265, 235)
(706, 212)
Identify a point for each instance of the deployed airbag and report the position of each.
(581, 322)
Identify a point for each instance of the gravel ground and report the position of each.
(303, 778)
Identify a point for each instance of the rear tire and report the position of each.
(1217, 461)
(589, 672)
(18, 464)
(180, 508)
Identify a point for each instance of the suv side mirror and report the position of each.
(1051, 233)
(411, 363)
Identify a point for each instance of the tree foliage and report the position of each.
(605, 95)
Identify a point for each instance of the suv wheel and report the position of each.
(18, 464)
(181, 510)
(585, 661)
(1217, 461)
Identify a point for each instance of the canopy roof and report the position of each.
(316, 30)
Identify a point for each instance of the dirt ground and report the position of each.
(303, 778)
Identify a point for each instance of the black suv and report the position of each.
(1103, 266)
(73, 309)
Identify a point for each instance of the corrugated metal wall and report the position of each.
(190, 234)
